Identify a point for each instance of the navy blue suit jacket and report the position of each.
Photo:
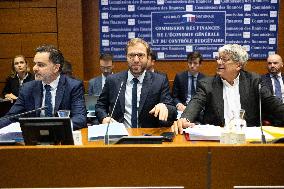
(155, 89)
(266, 79)
(69, 96)
(180, 87)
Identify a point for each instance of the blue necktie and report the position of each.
(134, 103)
(277, 87)
(47, 102)
(192, 86)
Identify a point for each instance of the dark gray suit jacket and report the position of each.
(267, 81)
(69, 96)
(180, 87)
(155, 89)
(95, 86)
(209, 96)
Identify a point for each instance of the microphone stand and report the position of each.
(107, 129)
(20, 114)
(263, 140)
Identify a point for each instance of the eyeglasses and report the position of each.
(106, 68)
(133, 55)
(224, 60)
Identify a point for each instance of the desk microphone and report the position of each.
(106, 134)
(263, 140)
(24, 113)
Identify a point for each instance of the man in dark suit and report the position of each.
(51, 89)
(229, 91)
(106, 65)
(274, 80)
(144, 100)
(184, 86)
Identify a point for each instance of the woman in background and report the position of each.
(20, 74)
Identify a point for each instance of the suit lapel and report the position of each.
(147, 82)
(185, 84)
(59, 92)
(37, 95)
(122, 78)
(217, 95)
(243, 90)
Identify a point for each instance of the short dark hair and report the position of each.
(67, 68)
(55, 55)
(194, 55)
(153, 55)
(106, 56)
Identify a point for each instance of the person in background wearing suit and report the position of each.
(184, 86)
(151, 63)
(20, 74)
(96, 84)
(229, 91)
(51, 89)
(144, 100)
(274, 81)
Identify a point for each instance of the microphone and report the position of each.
(106, 134)
(21, 114)
(263, 140)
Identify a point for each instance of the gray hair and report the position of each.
(238, 53)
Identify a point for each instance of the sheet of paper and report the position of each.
(116, 130)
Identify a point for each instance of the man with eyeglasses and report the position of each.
(143, 96)
(106, 65)
(229, 91)
(185, 82)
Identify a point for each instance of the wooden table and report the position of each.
(180, 163)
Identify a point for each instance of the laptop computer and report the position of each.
(90, 102)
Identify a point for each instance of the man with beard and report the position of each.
(51, 90)
(144, 99)
(229, 91)
(274, 80)
(106, 65)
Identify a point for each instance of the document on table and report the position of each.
(203, 132)
(11, 133)
(115, 130)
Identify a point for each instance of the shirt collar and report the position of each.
(140, 78)
(277, 75)
(190, 74)
(236, 81)
(54, 83)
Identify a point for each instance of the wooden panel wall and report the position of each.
(91, 48)
(26, 24)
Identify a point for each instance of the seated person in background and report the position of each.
(151, 63)
(144, 100)
(184, 86)
(51, 89)
(20, 74)
(274, 80)
(67, 69)
(229, 91)
(96, 84)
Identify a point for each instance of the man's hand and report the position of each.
(181, 123)
(180, 107)
(11, 97)
(107, 120)
(161, 110)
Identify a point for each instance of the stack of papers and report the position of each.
(203, 132)
(211, 132)
(115, 130)
(11, 133)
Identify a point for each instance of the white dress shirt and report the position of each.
(232, 101)
(128, 97)
(53, 90)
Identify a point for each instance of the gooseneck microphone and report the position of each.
(263, 140)
(21, 114)
(106, 134)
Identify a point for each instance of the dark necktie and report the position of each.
(277, 87)
(192, 86)
(134, 103)
(47, 101)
